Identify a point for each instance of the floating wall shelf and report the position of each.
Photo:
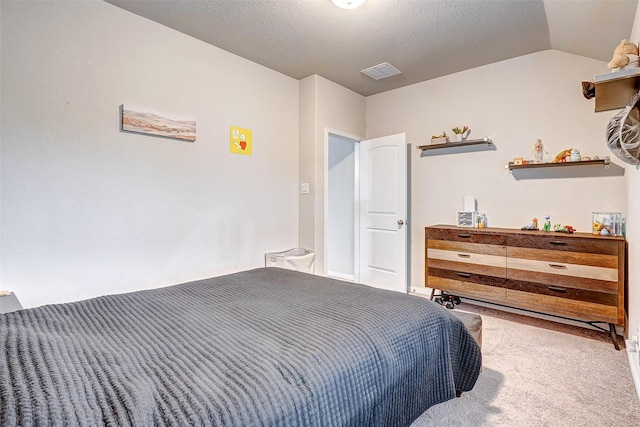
(604, 162)
(613, 90)
(481, 141)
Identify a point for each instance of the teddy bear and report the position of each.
(563, 156)
(625, 56)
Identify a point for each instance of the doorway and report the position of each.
(366, 217)
(342, 196)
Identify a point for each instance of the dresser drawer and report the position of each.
(552, 267)
(564, 243)
(467, 236)
(575, 309)
(461, 287)
(566, 292)
(561, 257)
(467, 257)
(595, 285)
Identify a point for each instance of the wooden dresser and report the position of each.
(577, 276)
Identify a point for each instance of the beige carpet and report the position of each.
(542, 373)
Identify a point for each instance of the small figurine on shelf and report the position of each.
(547, 223)
(538, 151)
(533, 226)
(575, 155)
(564, 229)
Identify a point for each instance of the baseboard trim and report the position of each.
(634, 364)
(341, 276)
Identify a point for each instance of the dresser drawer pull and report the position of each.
(557, 289)
(464, 255)
(464, 236)
(466, 275)
(557, 242)
(558, 266)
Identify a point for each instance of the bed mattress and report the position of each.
(264, 347)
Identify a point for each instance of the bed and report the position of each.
(264, 347)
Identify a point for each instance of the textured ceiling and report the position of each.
(425, 39)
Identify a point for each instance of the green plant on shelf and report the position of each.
(459, 131)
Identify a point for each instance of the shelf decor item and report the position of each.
(623, 132)
(606, 223)
(439, 139)
(460, 132)
(538, 151)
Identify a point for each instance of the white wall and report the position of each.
(633, 222)
(324, 106)
(513, 102)
(87, 210)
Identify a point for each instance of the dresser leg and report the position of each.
(614, 336)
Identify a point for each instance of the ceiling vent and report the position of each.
(381, 71)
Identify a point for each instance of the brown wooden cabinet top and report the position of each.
(497, 230)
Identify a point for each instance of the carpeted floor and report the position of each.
(542, 373)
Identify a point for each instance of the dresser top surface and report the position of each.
(515, 231)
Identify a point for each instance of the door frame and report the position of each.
(356, 212)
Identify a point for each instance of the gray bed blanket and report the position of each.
(265, 347)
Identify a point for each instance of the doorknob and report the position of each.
(400, 222)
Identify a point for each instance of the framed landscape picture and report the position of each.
(146, 123)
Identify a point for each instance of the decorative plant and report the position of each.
(459, 131)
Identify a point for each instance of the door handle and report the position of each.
(400, 222)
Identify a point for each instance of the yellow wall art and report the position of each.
(241, 141)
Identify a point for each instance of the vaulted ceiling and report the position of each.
(424, 39)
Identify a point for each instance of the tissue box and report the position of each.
(606, 223)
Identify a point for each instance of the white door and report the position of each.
(383, 213)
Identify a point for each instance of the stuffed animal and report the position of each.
(625, 56)
(563, 156)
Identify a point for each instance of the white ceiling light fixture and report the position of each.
(348, 4)
(381, 71)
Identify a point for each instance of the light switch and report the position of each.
(304, 188)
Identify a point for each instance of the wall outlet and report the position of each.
(304, 188)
